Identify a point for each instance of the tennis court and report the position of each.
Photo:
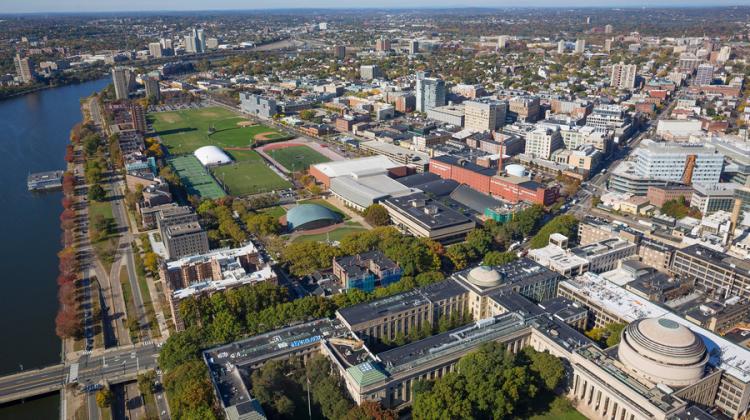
(195, 178)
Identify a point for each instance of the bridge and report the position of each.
(116, 365)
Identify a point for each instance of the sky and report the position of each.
(23, 6)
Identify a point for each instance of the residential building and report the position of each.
(580, 46)
(608, 29)
(561, 46)
(211, 272)
(370, 72)
(383, 45)
(413, 46)
(484, 115)
(121, 81)
(502, 41)
(153, 89)
(257, 105)
(138, 117)
(339, 51)
(366, 271)
(430, 93)
(704, 74)
(24, 68)
(155, 49)
(181, 233)
(623, 76)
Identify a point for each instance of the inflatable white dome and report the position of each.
(211, 156)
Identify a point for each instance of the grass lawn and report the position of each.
(105, 247)
(569, 415)
(186, 130)
(127, 296)
(297, 158)
(324, 203)
(275, 211)
(195, 178)
(248, 175)
(334, 235)
(145, 292)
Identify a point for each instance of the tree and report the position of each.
(151, 262)
(307, 114)
(565, 224)
(459, 255)
(377, 215)
(307, 257)
(104, 398)
(262, 224)
(480, 240)
(496, 258)
(370, 410)
(96, 192)
(548, 367)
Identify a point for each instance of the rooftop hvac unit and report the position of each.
(417, 203)
(431, 210)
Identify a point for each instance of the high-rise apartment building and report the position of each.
(724, 53)
(200, 35)
(152, 88)
(166, 44)
(339, 51)
(370, 72)
(430, 93)
(413, 46)
(608, 44)
(484, 115)
(155, 50)
(24, 68)
(121, 80)
(704, 74)
(580, 46)
(608, 29)
(561, 46)
(623, 76)
(382, 45)
(502, 41)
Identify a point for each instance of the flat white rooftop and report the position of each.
(356, 166)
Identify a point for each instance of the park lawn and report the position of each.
(297, 158)
(334, 235)
(325, 203)
(248, 175)
(104, 248)
(185, 130)
(275, 211)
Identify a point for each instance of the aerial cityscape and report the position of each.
(384, 211)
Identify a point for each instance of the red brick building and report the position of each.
(486, 180)
(658, 195)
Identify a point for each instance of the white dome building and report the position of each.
(211, 156)
(661, 350)
(484, 276)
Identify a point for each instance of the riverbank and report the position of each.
(38, 88)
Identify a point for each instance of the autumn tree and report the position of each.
(377, 215)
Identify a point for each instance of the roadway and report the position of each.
(113, 366)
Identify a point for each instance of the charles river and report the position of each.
(34, 131)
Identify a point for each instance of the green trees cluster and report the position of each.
(490, 383)
(217, 217)
(679, 208)
(281, 387)
(377, 215)
(608, 336)
(565, 224)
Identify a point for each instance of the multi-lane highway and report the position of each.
(114, 366)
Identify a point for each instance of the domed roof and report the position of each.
(667, 332)
(663, 350)
(309, 216)
(484, 276)
(211, 155)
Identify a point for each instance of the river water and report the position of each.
(34, 131)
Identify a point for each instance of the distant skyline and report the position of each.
(84, 6)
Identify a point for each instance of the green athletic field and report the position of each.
(185, 130)
(195, 178)
(248, 175)
(296, 158)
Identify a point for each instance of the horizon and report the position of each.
(83, 7)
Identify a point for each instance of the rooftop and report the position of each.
(616, 300)
(428, 213)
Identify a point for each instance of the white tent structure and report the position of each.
(211, 156)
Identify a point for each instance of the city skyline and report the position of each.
(92, 6)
